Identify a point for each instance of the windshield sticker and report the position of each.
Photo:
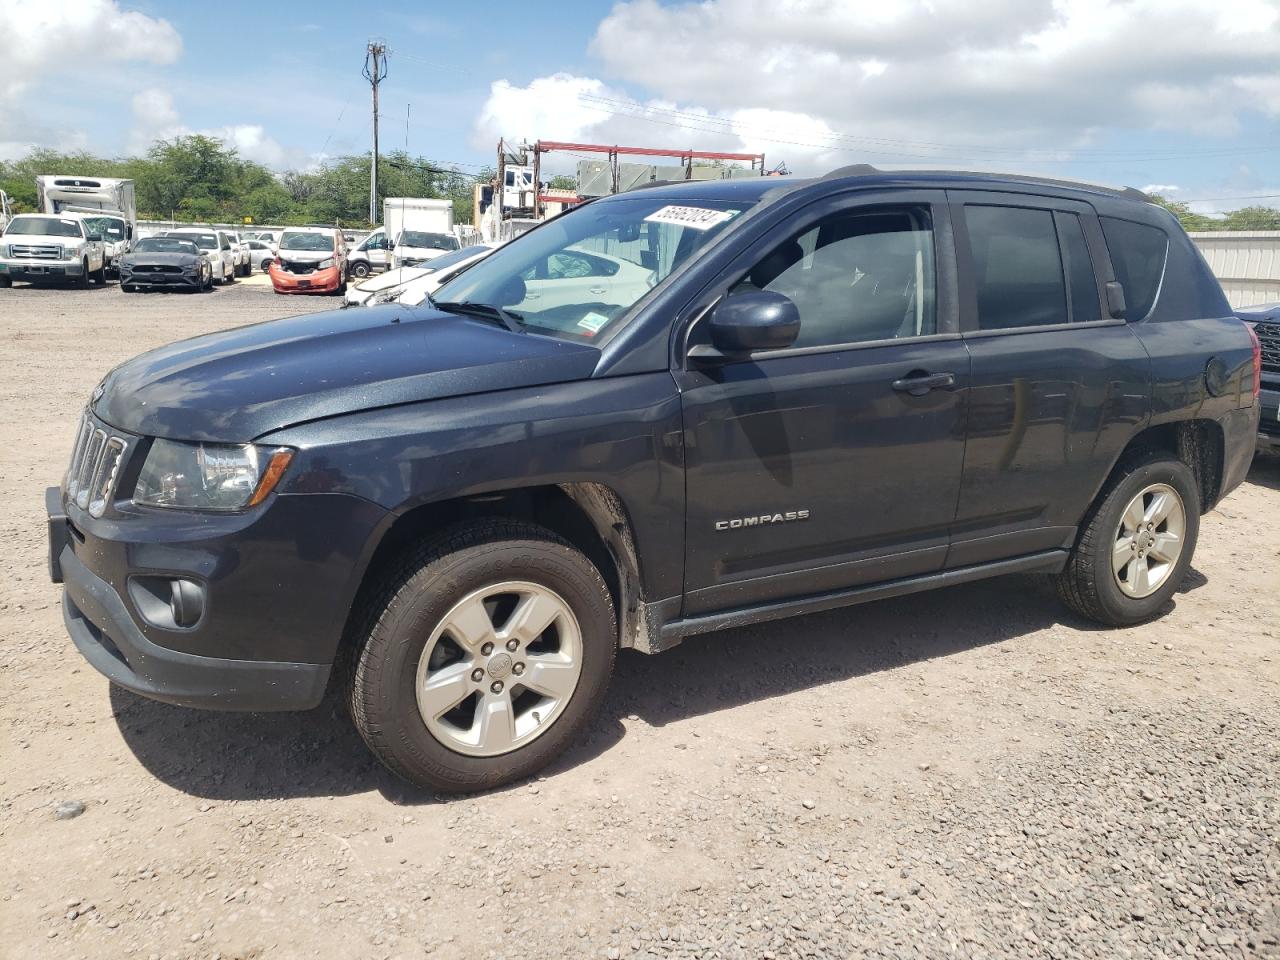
(592, 323)
(697, 218)
(69, 223)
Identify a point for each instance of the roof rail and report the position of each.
(1133, 193)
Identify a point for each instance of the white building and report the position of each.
(1246, 263)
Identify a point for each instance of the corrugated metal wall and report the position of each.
(1246, 263)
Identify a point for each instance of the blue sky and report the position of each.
(1072, 88)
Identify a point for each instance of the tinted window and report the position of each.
(856, 277)
(1017, 268)
(1137, 253)
(1080, 280)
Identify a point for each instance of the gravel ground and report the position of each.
(972, 772)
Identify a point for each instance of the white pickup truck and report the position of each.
(39, 247)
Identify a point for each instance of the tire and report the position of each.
(128, 288)
(266, 265)
(6, 283)
(100, 276)
(359, 269)
(1093, 584)
(412, 609)
(82, 281)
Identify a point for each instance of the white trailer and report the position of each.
(107, 203)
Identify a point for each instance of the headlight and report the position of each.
(209, 476)
(70, 253)
(325, 264)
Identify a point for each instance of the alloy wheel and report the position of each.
(1149, 540)
(499, 668)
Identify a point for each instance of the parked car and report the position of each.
(372, 254)
(261, 255)
(39, 247)
(310, 260)
(823, 392)
(116, 236)
(216, 244)
(165, 263)
(412, 285)
(413, 247)
(1264, 321)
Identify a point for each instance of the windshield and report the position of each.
(205, 241)
(39, 227)
(165, 245)
(574, 276)
(111, 228)
(429, 241)
(306, 241)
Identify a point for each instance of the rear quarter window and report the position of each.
(1138, 254)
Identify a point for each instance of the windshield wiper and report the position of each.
(483, 311)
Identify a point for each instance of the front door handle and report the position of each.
(919, 382)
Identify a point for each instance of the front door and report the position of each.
(837, 461)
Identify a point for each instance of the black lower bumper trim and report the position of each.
(105, 634)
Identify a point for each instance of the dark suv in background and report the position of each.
(779, 397)
(1265, 322)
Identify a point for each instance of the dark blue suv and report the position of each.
(666, 412)
(1264, 320)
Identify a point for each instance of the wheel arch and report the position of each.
(1199, 443)
(590, 516)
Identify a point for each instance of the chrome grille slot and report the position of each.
(96, 463)
(104, 480)
(1269, 339)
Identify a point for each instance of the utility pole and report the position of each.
(375, 71)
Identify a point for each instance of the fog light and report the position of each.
(172, 603)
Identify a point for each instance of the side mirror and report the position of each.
(95, 238)
(747, 322)
(1115, 300)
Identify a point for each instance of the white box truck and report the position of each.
(107, 203)
(418, 229)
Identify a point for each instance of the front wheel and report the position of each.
(82, 281)
(359, 269)
(1136, 545)
(483, 656)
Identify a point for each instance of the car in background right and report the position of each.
(1264, 321)
(261, 255)
(216, 245)
(310, 260)
(412, 285)
(413, 247)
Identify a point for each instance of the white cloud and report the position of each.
(44, 39)
(68, 42)
(156, 117)
(991, 84)
(1161, 188)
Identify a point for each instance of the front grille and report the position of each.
(95, 467)
(1269, 337)
(156, 268)
(31, 251)
(298, 266)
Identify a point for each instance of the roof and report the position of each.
(864, 175)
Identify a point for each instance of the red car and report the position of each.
(310, 260)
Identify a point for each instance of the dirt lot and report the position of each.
(971, 772)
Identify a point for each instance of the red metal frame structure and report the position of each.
(615, 151)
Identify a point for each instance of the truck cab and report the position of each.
(43, 248)
(372, 254)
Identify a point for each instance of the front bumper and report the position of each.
(319, 281)
(277, 584)
(36, 270)
(163, 281)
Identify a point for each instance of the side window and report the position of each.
(1138, 254)
(1081, 283)
(856, 277)
(1017, 267)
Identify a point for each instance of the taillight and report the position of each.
(1257, 359)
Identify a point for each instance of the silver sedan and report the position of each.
(260, 254)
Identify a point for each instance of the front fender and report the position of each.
(623, 433)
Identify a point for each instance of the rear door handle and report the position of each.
(919, 382)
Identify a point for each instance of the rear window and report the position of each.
(1138, 253)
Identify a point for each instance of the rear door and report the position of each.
(823, 466)
(1058, 386)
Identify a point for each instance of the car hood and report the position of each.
(305, 256)
(169, 259)
(237, 385)
(39, 239)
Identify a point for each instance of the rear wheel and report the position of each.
(483, 657)
(359, 269)
(100, 275)
(1136, 545)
